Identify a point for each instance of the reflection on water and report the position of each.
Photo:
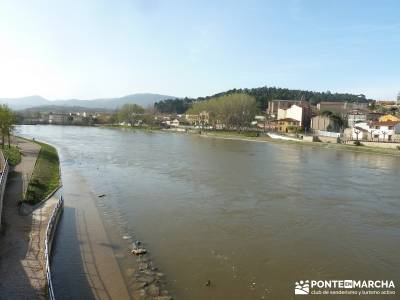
(251, 217)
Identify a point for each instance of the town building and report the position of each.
(287, 125)
(174, 123)
(341, 107)
(355, 117)
(387, 103)
(374, 116)
(300, 112)
(322, 123)
(58, 118)
(202, 118)
(275, 105)
(387, 118)
(376, 131)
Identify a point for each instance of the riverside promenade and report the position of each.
(84, 265)
(22, 271)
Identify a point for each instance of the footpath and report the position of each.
(22, 268)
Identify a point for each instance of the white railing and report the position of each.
(3, 181)
(327, 133)
(51, 228)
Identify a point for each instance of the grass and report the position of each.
(46, 174)
(12, 154)
(143, 127)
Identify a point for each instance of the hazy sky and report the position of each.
(96, 48)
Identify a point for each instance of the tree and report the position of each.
(337, 120)
(234, 111)
(263, 96)
(6, 123)
(129, 112)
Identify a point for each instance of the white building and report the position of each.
(356, 117)
(175, 123)
(301, 113)
(375, 131)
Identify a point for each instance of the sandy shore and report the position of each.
(22, 270)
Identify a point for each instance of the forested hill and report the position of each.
(263, 95)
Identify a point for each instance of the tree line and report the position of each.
(6, 123)
(232, 111)
(262, 95)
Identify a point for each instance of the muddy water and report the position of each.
(252, 218)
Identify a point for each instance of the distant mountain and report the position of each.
(63, 109)
(105, 103)
(24, 102)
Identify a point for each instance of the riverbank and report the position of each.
(88, 248)
(46, 175)
(252, 137)
(319, 145)
(217, 200)
(22, 269)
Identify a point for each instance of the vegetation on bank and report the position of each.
(12, 154)
(263, 95)
(129, 113)
(6, 124)
(235, 111)
(46, 174)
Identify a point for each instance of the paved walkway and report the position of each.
(96, 267)
(22, 272)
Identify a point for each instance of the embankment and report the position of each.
(22, 261)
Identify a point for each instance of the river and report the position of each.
(252, 218)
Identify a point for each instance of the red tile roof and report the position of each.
(386, 123)
(289, 120)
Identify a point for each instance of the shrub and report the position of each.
(12, 154)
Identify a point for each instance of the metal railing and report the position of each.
(374, 140)
(3, 180)
(50, 230)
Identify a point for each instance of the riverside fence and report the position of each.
(3, 180)
(50, 231)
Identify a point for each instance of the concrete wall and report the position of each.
(320, 123)
(50, 231)
(3, 181)
(327, 139)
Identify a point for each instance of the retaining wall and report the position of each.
(50, 232)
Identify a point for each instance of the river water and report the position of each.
(252, 218)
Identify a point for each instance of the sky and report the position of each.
(95, 48)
